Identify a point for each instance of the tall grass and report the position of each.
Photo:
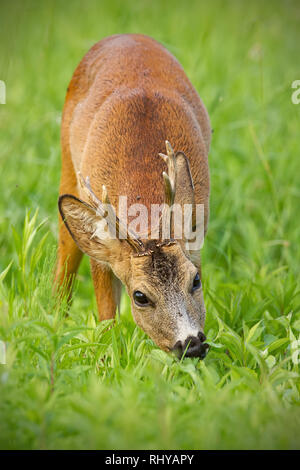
(72, 382)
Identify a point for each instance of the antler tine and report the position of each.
(170, 187)
(170, 150)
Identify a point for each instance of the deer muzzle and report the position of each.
(193, 346)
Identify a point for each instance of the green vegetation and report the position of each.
(71, 382)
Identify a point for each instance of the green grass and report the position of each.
(71, 382)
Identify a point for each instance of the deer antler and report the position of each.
(178, 184)
(105, 209)
(165, 222)
(170, 177)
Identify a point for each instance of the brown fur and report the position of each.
(126, 98)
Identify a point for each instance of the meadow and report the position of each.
(70, 382)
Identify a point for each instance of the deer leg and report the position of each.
(107, 289)
(68, 254)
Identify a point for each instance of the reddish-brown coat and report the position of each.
(127, 97)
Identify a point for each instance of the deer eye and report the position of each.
(140, 299)
(196, 282)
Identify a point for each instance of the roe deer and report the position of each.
(128, 98)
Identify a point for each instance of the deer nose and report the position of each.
(193, 346)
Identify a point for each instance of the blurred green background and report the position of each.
(69, 382)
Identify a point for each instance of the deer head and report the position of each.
(161, 275)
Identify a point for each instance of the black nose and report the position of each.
(193, 346)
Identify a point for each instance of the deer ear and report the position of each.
(88, 229)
